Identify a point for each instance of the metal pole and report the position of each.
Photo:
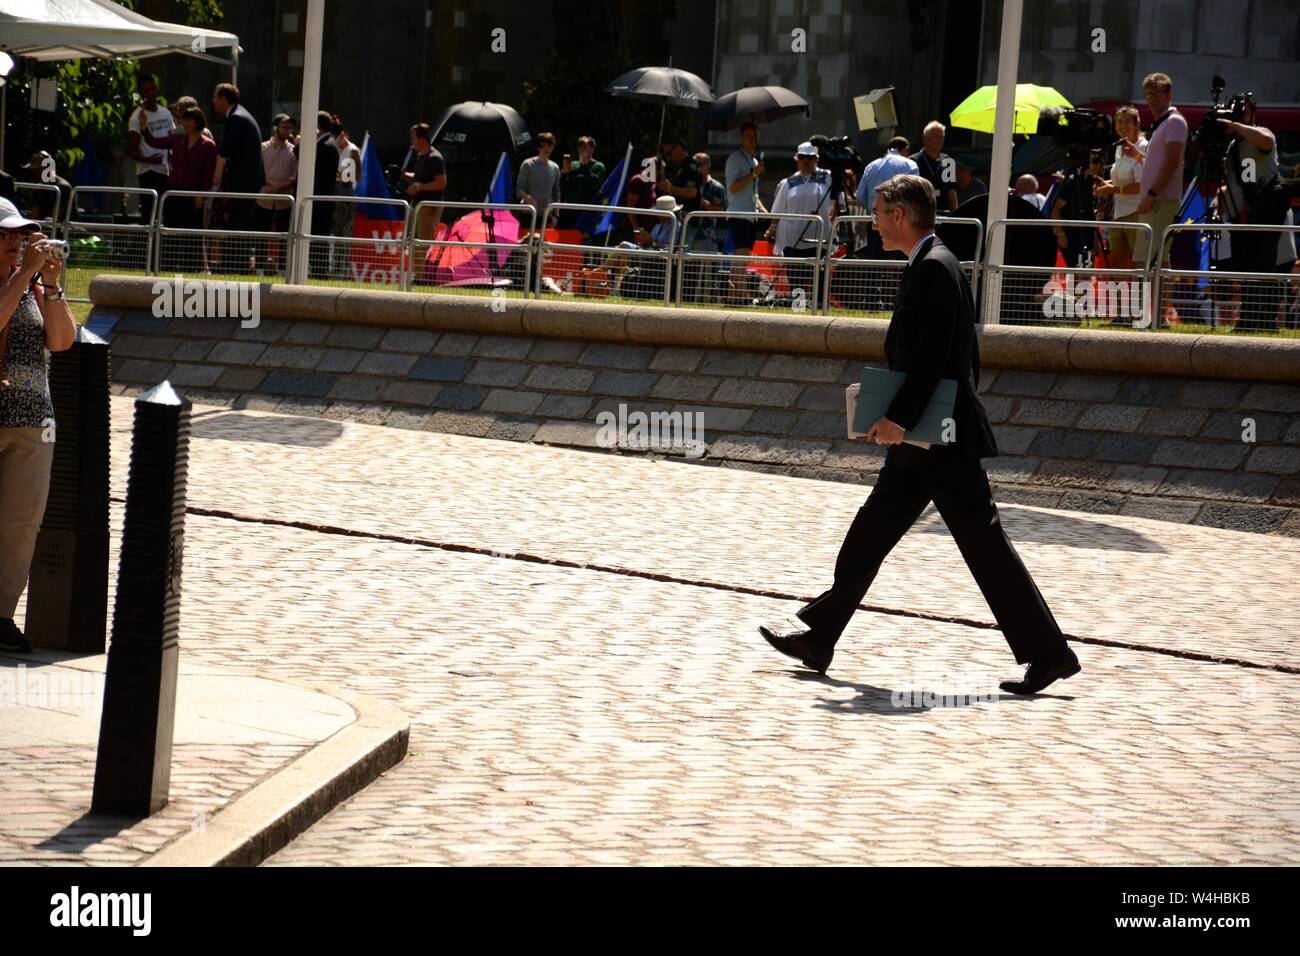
(307, 144)
(1004, 126)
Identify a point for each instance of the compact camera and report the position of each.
(57, 248)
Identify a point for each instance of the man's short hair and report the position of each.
(144, 78)
(281, 118)
(933, 125)
(228, 91)
(197, 115)
(702, 159)
(587, 141)
(545, 138)
(748, 124)
(900, 143)
(914, 194)
(422, 131)
(1160, 81)
(323, 120)
(1027, 179)
(673, 141)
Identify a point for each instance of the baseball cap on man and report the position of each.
(11, 218)
(38, 161)
(806, 149)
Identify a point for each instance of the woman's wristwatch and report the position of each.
(52, 296)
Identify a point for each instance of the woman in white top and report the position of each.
(1125, 185)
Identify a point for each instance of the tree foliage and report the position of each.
(96, 97)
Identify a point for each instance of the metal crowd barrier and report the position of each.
(382, 260)
(868, 286)
(707, 276)
(1018, 294)
(1246, 299)
(480, 250)
(98, 243)
(604, 267)
(191, 239)
(50, 222)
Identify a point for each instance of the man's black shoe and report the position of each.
(1040, 674)
(797, 644)
(11, 639)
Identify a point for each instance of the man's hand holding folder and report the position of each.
(868, 403)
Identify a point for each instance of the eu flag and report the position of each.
(1194, 210)
(372, 186)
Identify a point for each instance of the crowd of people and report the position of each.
(173, 149)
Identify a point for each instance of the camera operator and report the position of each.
(1075, 200)
(1254, 193)
(33, 318)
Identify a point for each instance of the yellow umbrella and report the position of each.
(977, 111)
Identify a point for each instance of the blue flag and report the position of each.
(608, 196)
(1194, 210)
(373, 186)
(502, 189)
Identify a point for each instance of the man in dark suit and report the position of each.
(932, 336)
(239, 170)
(322, 211)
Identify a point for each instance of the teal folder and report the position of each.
(879, 386)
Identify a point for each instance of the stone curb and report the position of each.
(266, 818)
(1203, 356)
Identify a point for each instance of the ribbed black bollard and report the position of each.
(67, 594)
(133, 769)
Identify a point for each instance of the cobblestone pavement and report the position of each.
(46, 789)
(566, 713)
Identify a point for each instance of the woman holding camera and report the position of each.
(34, 320)
(1124, 185)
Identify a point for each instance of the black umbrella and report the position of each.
(482, 128)
(664, 85)
(754, 104)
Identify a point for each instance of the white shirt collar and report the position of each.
(911, 256)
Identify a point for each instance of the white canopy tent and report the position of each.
(72, 29)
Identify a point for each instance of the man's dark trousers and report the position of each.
(932, 336)
(911, 479)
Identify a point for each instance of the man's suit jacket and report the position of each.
(322, 182)
(932, 336)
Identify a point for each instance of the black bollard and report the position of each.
(67, 594)
(133, 768)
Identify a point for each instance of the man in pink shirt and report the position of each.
(1162, 172)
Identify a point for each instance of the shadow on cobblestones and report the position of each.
(235, 426)
(1064, 529)
(86, 831)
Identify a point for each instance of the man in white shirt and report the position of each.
(152, 166)
(807, 192)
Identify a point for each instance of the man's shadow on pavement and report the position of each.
(889, 703)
